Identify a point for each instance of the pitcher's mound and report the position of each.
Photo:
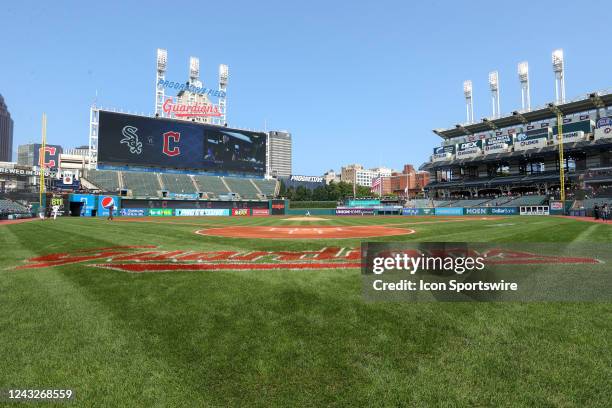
(306, 219)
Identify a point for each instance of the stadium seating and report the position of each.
(141, 184)
(588, 204)
(471, 203)
(149, 185)
(243, 187)
(267, 187)
(11, 207)
(211, 185)
(178, 183)
(105, 180)
(524, 200)
(420, 203)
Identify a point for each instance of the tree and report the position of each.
(320, 194)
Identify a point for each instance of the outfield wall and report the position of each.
(461, 211)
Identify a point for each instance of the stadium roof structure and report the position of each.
(595, 100)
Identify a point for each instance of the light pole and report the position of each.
(523, 73)
(469, 101)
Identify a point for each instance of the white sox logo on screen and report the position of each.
(174, 150)
(130, 138)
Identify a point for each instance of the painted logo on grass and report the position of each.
(149, 259)
(137, 259)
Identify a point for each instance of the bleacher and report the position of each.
(11, 207)
(589, 203)
(444, 203)
(471, 202)
(105, 180)
(150, 185)
(243, 187)
(212, 185)
(177, 183)
(141, 184)
(524, 200)
(267, 187)
(419, 203)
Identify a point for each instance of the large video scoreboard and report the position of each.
(130, 140)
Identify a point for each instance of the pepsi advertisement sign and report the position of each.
(105, 203)
(169, 143)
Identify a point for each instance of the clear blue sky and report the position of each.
(361, 81)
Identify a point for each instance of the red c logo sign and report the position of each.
(175, 150)
(43, 156)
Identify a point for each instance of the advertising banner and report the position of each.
(183, 196)
(201, 212)
(570, 137)
(134, 212)
(604, 128)
(449, 211)
(443, 153)
(477, 211)
(89, 203)
(498, 144)
(410, 211)
(105, 203)
(278, 207)
(469, 149)
(160, 212)
(363, 203)
(259, 212)
(241, 212)
(504, 211)
(354, 211)
(556, 207)
(168, 143)
(426, 211)
(525, 142)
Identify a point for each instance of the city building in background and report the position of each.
(279, 154)
(29, 155)
(6, 133)
(330, 176)
(356, 173)
(409, 183)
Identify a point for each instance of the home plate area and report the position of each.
(300, 232)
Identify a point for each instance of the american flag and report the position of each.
(376, 184)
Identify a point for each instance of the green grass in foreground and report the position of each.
(287, 338)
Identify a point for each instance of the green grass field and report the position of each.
(286, 337)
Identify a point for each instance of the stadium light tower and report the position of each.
(223, 77)
(523, 73)
(162, 61)
(559, 68)
(194, 77)
(469, 101)
(194, 71)
(494, 86)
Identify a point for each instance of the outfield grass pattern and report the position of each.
(287, 338)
